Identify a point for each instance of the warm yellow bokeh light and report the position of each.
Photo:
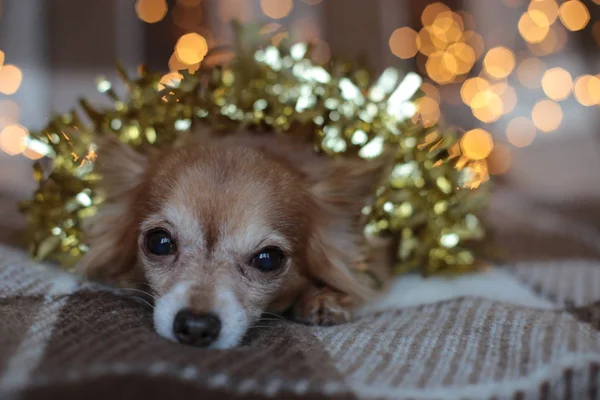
(472, 86)
(464, 56)
(151, 11)
(191, 48)
(441, 67)
(1, 58)
(403, 43)
(530, 72)
(431, 91)
(546, 115)
(520, 132)
(553, 42)
(476, 144)
(475, 40)
(530, 30)
(499, 160)
(13, 139)
(172, 79)
(487, 106)
(557, 83)
(425, 43)
(587, 90)
(431, 12)
(499, 62)
(276, 9)
(548, 8)
(509, 99)
(10, 79)
(429, 110)
(574, 15)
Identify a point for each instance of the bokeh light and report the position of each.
(276, 9)
(530, 30)
(520, 132)
(13, 139)
(431, 91)
(429, 110)
(499, 62)
(10, 79)
(476, 144)
(191, 48)
(472, 86)
(321, 53)
(499, 160)
(151, 11)
(587, 90)
(441, 67)
(546, 8)
(403, 43)
(509, 99)
(1, 58)
(546, 115)
(530, 72)
(475, 40)
(557, 83)
(430, 12)
(464, 56)
(487, 106)
(172, 79)
(574, 15)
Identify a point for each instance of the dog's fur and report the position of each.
(223, 198)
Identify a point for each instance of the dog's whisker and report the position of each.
(153, 297)
(273, 315)
(143, 301)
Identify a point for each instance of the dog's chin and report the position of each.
(234, 320)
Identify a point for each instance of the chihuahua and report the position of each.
(228, 227)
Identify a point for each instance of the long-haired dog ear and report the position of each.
(112, 232)
(338, 245)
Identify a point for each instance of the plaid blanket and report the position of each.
(526, 329)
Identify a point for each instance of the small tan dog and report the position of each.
(225, 229)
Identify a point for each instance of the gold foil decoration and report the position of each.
(429, 203)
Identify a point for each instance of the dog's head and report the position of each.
(222, 233)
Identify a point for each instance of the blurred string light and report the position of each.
(403, 43)
(191, 48)
(476, 144)
(557, 83)
(1, 58)
(276, 9)
(520, 132)
(587, 90)
(499, 62)
(546, 115)
(574, 15)
(13, 139)
(530, 72)
(10, 79)
(151, 11)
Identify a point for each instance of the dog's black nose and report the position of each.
(196, 329)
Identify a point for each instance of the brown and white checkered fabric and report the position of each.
(63, 339)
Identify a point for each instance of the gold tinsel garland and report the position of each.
(428, 203)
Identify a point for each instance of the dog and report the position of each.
(225, 228)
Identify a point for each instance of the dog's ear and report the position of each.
(337, 245)
(112, 232)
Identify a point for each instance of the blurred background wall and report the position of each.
(522, 76)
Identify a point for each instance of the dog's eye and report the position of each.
(268, 259)
(159, 242)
